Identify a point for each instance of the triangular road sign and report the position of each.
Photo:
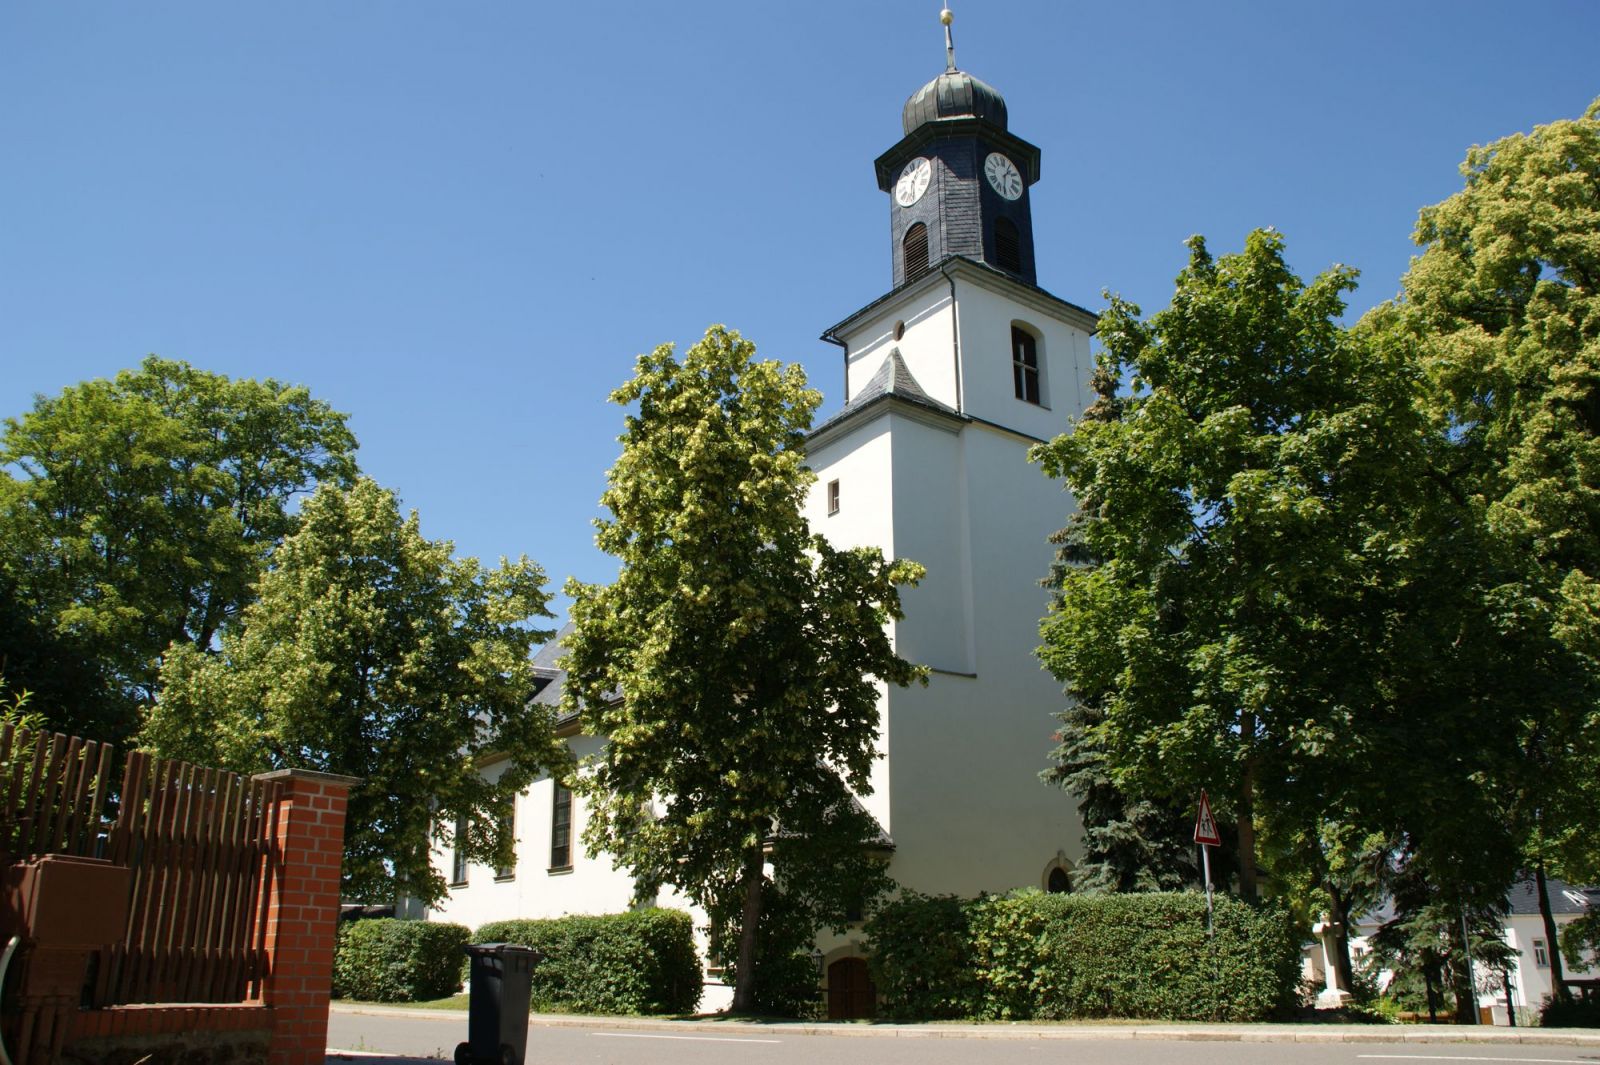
(1205, 826)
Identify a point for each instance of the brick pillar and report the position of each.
(303, 912)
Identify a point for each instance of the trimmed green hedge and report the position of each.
(1041, 956)
(638, 962)
(388, 960)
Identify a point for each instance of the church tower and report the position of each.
(950, 377)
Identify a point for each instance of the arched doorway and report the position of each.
(851, 995)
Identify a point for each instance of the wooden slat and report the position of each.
(201, 849)
(39, 798)
(72, 776)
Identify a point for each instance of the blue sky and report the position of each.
(460, 222)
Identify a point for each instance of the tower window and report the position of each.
(1025, 364)
(833, 497)
(1007, 245)
(915, 247)
(561, 829)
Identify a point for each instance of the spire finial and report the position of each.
(945, 18)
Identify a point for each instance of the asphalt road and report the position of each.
(424, 1038)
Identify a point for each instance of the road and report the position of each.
(417, 1037)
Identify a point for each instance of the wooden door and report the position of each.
(851, 995)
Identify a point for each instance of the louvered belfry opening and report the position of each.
(915, 247)
(1007, 245)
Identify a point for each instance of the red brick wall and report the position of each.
(303, 911)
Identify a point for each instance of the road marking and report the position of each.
(688, 1038)
(1464, 1057)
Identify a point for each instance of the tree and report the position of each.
(370, 651)
(734, 663)
(143, 513)
(1223, 511)
(1504, 301)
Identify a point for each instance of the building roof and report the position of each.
(976, 270)
(1564, 898)
(953, 94)
(892, 381)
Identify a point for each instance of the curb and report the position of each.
(1176, 1032)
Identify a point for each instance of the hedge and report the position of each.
(639, 962)
(387, 960)
(1033, 955)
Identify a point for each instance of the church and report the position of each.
(949, 378)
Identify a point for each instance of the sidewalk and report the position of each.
(1175, 1031)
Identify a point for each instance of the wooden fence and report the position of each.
(201, 845)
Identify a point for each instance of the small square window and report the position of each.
(833, 497)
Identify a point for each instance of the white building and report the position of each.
(949, 379)
(1522, 927)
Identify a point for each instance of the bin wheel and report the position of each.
(508, 1055)
(464, 1054)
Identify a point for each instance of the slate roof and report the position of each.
(1524, 897)
(547, 676)
(892, 380)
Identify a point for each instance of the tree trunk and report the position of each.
(1428, 980)
(1339, 914)
(744, 986)
(1558, 981)
(1461, 981)
(1248, 888)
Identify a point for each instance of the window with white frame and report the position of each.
(561, 829)
(1025, 365)
(1541, 954)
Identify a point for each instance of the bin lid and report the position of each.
(482, 949)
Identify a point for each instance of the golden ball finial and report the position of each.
(945, 17)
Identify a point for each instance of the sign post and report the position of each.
(1205, 834)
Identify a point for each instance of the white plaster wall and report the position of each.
(593, 885)
(861, 464)
(970, 812)
(1532, 981)
(984, 318)
(925, 347)
(930, 526)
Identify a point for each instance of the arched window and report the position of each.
(1025, 364)
(1007, 245)
(1059, 883)
(915, 247)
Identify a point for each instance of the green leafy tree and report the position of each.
(734, 663)
(1504, 301)
(1218, 577)
(138, 515)
(371, 651)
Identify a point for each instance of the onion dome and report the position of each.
(954, 94)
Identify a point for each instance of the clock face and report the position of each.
(913, 182)
(1002, 175)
